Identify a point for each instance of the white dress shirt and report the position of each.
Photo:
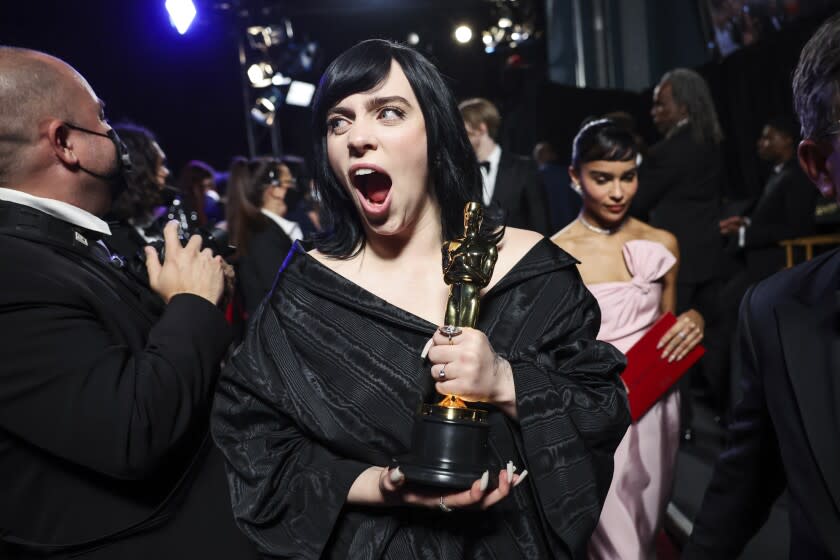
(489, 176)
(291, 228)
(57, 209)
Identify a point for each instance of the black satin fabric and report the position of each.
(327, 383)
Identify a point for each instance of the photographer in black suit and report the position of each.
(106, 384)
(510, 181)
(785, 431)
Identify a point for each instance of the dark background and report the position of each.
(187, 89)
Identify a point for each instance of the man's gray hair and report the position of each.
(691, 91)
(816, 82)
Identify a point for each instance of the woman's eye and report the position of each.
(336, 124)
(391, 113)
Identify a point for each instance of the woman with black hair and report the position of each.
(322, 394)
(631, 269)
(256, 210)
(133, 213)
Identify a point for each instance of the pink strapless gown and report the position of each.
(645, 458)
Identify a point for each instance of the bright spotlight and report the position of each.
(181, 14)
(463, 34)
(260, 74)
(413, 39)
(300, 94)
(504, 22)
(487, 38)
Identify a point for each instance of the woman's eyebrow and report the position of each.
(375, 102)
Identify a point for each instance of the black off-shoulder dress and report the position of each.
(327, 383)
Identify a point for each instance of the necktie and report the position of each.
(485, 165)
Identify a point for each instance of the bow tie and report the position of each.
(485, 165)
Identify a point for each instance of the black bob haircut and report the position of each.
(454, 173)
(603, 140)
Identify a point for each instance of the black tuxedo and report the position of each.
(257, 268)
(679, 191)
(785, 210)
(786, 429)
(105, 396)
(519, 190)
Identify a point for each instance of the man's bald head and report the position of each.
(33, 87)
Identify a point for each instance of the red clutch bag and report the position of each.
(647, 375)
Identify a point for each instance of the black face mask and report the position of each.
(116, 179)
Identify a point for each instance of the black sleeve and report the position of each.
(70, 388)
(286, 489)
(534, 201)
(797, 219)
(749, 475)
(572, 411)
(257, 270)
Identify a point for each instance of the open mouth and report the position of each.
(373, 183)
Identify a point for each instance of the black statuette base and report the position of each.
(449, 448)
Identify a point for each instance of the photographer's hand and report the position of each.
(186, 269)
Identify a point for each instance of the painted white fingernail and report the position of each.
(521, 478)
(397, 475)
(510, 469)
(485, 481)
(426, 348)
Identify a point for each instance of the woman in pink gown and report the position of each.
(631, 270)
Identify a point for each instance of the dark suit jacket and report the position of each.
(520, 192)
(785, 210)
(104, 407)
(257, 268)
(786, 429)
(679, 191)
(564, 203)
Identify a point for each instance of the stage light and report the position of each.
(181, 14)
(463, 34)
(300, 94)
(504, 22)
(516, 36)
(487, 38)
(280, 80)
(260, 74)
(413, 39)
(261, 37)
(265, 109)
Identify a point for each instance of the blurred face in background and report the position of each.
(161, 171)
(608, 188)
(666, 113)
(773, 144)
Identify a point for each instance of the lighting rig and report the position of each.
(276, 65)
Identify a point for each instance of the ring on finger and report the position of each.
(442, 373)
(443, 507)
(681, 334)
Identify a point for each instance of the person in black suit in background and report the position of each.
(785, 431)
(510, 181)
(784, 210)
(260, 193)
(106, 383)
(564, 201)
(679, 191)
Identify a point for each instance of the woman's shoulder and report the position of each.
(568, 237)
(519, 241)
(647, 232)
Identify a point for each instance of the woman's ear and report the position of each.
(813, 159)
